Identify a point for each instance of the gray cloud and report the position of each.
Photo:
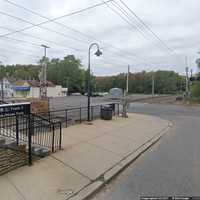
(175, 21)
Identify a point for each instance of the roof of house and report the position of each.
(35, 83)
(32, 83)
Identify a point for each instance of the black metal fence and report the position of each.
(78, 114)
(22, 127)
(46, 133)
(43, 132)
(18, 124)
(2, 102)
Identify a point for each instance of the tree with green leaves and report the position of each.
(67, 72)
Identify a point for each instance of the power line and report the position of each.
(124, 19)
(23, 20)
(19, 52)
(44, 17)
(39, 38)
(139, 27)
(63, 25)
(19, 40)
(145, 25)
(127, 20)
(57, 18)
(50, 20)
(27, 42)
(38, 45)
(140, 20)
(41, 27)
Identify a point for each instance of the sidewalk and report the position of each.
(91, 155)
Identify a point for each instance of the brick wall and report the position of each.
(11, 159)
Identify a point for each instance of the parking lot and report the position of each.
(61, 103)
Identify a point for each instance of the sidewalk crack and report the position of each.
(16, 188)
(80, 173)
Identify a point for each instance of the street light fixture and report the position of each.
(97, 53)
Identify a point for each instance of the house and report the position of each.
(52, 90)
(7, 88)
(31, 89)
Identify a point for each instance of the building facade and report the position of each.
(30, 89)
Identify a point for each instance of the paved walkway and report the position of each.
(89, 151)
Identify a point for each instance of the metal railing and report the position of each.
(43, 132)
(46, 133)
(77, 114)
(2, 102)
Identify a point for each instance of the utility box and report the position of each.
(106, 112)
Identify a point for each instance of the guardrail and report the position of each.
(77, 114)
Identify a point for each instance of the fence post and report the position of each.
(80, 115)
(49, 115)
(29, 139)
(17, 129)
(118, 108)
(100, 111)
(66, 118)
(53, 138)
(60, 141)
(92, 113)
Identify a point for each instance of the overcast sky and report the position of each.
(123, 43)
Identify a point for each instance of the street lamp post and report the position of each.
(97, 53)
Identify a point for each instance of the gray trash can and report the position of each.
(106, 112)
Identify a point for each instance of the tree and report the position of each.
(67, 72)
(198, 63)
(166, 82)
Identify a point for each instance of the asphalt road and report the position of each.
(171, 167)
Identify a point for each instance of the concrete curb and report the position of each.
(92, 188)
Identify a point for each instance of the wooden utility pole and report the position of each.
(153, 85)
(186, 78)
(127, 80)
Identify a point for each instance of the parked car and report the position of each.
(76, 94)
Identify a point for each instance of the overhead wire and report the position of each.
(42, 39)
(60, 17)
(127, 18)
(63, 25)
(145, 25)
(49, 20)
